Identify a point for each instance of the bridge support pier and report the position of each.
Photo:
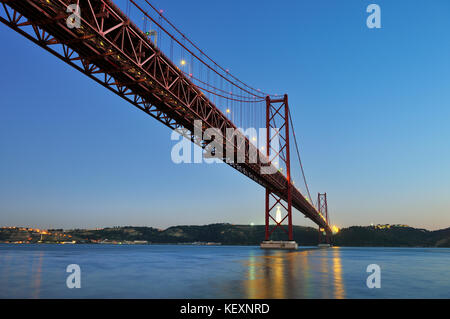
(277, 123)
(271, 244)
(322, 207)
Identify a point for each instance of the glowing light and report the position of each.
(254, 139)
(228, 111)
(334, 229)
(183, 62)
(278, 215)
(252, 224)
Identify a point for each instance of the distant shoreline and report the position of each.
(228, 235)
(230, 245)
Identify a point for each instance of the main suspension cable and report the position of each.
(259, 93)
(299, 158)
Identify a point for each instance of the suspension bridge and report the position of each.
(141, 56)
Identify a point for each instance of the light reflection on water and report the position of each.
(280, 274)
(170, 271)
(36, 274)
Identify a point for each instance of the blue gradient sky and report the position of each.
(371, 109)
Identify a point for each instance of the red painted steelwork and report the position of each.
(279, 109)
(322, 205)
(115, 53)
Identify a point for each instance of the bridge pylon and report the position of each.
(322, 207)
(278, 153)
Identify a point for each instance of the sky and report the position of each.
(371, 108)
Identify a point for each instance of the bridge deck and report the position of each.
(114, 52)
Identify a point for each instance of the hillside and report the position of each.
(225, 234)
(394, 236)
(228, 234)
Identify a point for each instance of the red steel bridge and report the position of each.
(162, 72)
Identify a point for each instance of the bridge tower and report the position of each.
(322, 207)
(277, 124)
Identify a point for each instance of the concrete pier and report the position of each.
(289, 245)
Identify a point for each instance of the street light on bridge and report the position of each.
(153, 33)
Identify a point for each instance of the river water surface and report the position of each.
(171, 271)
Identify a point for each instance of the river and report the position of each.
(182, 271)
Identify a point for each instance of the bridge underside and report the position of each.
(115, 53)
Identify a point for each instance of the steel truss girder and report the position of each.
(112, 51)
